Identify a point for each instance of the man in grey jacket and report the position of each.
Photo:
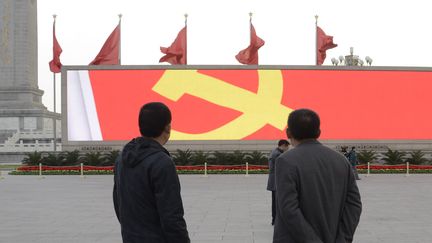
(283, 146)
(316, 192)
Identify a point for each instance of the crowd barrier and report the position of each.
(204, 169)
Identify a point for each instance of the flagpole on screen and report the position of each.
(250, 26)
(54, 118)
(186, 16)
(119, 57)
(316, 39)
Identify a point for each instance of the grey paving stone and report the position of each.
(219, 208)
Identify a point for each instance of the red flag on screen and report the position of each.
(55, 64)
(249, 56)
(110, 52)
(177, 53)
(324, 42)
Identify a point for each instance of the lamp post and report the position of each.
(351, 60)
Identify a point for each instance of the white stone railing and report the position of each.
(15, 142)
(13, 139)
(29, 147)
(44, 134)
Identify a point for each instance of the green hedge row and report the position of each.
(180, 157)
(189, 157)
(71, 158)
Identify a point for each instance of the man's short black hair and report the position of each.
(304, 124)
(153, 119)
(283, 142)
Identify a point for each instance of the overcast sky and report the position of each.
(393, 33)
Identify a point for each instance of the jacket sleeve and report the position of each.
(271, 162)
(169, 204)
(351, 211)
(115, 197)
(287, 194)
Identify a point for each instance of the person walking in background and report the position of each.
(146, 194)
(344, 151)
(352, 158)
(283, 146)
(317, 198)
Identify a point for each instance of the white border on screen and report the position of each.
(83, 122)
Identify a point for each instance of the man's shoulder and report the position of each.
(157, 160)
(161, 157)
(310, 150)
(275, 151)
(304, 148)
(291, 155)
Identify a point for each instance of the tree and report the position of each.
(366, 156)
(416, 157)
(33, 158)
(257, 158)
(182, 157)
(394, 157)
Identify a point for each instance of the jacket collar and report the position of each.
(308, 141)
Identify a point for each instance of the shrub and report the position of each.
(182, 157)
(200, 157)
(71, 157)
(393, 157)
(92, 158)
(33, 158)
(220, 158)
(53, 159)
(110, 158)
(416, 157)
(257, 158)
(366, 156)
(237, 158)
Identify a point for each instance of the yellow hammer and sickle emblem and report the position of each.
(259, 109)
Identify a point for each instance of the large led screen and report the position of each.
(245, 104)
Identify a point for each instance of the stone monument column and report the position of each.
(18, 55)
(21, 107)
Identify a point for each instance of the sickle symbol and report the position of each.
(259, 109)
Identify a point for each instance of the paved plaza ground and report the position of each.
(219, 208)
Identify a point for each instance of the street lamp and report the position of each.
(368, 60)
(335, 61)
(351, 60)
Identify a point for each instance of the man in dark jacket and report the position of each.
(317, 196)
(352, 158)
(146, 195)
(283, 146)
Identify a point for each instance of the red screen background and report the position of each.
(352, 105)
